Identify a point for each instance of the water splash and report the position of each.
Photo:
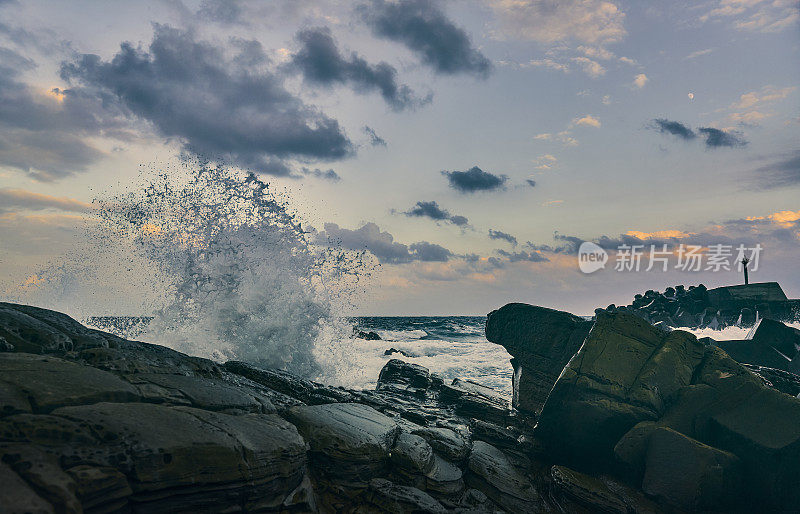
(224, 266)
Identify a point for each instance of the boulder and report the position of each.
(203, 393)
(688, 474)
(290, 385)
(405, 378)
(412, 454)
(492, 473)
(349, 442)
(444, 478)
(541, 341)
(100, 488)
(626, 372)
(449, 443)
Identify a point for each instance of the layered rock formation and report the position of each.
(635, 420)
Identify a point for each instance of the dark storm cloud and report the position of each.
(328, 174)
(474, 179)
(374, 138)
(422, 27)
(430, 252)
(433, 211)
(712, 137)
(716, 138)
(381, 244)
(675, 128)
(782, 173)
(321, 62)
(503, 236)
(42, 133)
(533, 256)
(189, 89)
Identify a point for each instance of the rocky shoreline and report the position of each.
(613, 415)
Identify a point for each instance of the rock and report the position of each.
(598, 494)
(444, 478)
(34, 330)
(290, 385)
(689, 474)
(369, 336)
(783, 381)
(101, 488)
(491, 472)
(42, 472)
(541, 341)
(450, 444)
(50, 382)
(404, 378)
(386, 496)
(392, 351)
(349, 442)
(132, 357)
(182, 456)
(474, 400)
(17, 496)
(769, 343)
(412, 454)
(626, 372)
(205, 393)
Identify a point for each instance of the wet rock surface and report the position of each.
(631, 418)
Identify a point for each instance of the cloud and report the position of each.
(716, 138)
(675, 128)
(44, 133)
(474, 179)
(564, 137)
(713, 137)
(587, 121)
(422, 27)
(221, 11)
(429, 252)
(381, 244)
(592, 68)
(545, 162)
(547, 63)
(756, 15)
(29, 200)
(746, 109)
(320, 62)
(593, 22)
(533, 256)
(328, 174)
(503, 236)
(640, 80)
(698, 53)
(215, 106)
(374, 138)
(784, 172)
(433, 211)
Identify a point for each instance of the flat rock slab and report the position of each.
(349, 441)
(49, 382)
(183, 447)
(493, 473)
(389, 497)
(203, 393)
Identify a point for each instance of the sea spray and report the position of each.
(225, 268)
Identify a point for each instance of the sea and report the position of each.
(450, 346)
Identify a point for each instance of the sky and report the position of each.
(469, 146)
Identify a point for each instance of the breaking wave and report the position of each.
(231, 271)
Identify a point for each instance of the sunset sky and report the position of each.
(468, 145)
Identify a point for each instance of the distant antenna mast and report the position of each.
(745, 262)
